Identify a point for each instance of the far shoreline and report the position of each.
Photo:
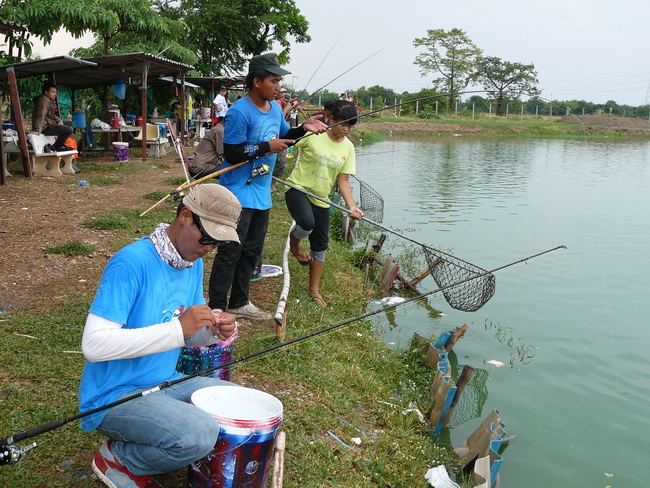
(593, 126)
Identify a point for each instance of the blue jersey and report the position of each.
(137, 289)
(245, 123)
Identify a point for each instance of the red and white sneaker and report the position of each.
(114, 474)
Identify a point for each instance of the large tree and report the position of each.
(452, 55)
(115, 23)
(226, 33)
(506, 80)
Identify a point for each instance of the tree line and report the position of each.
(218, 37)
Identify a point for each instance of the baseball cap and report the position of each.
(217, 208)
(268, 62)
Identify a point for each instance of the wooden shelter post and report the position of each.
(18, 119)
(183, 132)
(143, 131)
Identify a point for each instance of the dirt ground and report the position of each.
(40, 213)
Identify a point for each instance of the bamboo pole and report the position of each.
(280, 311)
(278, 460)
(185, 186)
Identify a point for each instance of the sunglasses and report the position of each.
(205, 239)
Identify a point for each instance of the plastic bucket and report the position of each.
(205, 113)
(121, 151)
(79, 119)
(248, 421)
(199, 358)
(162, 129)
(138, 121)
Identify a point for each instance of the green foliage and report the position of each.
(227, 33)
(427, 114)
(118, 25)
(507, 80)
(74, 248)
(451, 54)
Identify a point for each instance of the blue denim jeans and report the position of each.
(162, 431)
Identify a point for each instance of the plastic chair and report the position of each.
(154, 141)
(152, 133)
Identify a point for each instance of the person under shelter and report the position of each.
(208, 156)
(47, 121)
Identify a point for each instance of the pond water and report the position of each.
(579, 407)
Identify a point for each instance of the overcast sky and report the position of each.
(596, 50)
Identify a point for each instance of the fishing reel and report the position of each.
(259, 171)
(12, 454)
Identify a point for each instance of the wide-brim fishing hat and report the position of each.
(217, 208)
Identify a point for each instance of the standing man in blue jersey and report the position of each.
(255, 131)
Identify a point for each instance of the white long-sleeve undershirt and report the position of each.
(106, 340)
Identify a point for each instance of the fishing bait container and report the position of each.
(248, 422)
(199, 358)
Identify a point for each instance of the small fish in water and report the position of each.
(496, 363)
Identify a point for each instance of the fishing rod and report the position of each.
(175, 193)
(321, 63)
(185, 186)
(10, 453)
(346, 210)
(330, 82)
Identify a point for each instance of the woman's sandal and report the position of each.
(318, 300)
(302, 253)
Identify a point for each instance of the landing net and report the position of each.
(466, 287)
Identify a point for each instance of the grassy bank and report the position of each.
(615, 127)
(333, 382)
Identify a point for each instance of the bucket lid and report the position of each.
(239, 406)
(120, 143)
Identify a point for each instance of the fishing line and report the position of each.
(345, 72)
(174, 193)
(346, 210)
(321, 63)
(12, 454)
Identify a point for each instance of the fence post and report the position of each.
(507, 110)
(436, 107)
(473, 107)
(490, 110)
(417, 106)
(371, 104)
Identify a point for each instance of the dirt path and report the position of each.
(40, 213)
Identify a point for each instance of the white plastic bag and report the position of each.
(98, 124)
